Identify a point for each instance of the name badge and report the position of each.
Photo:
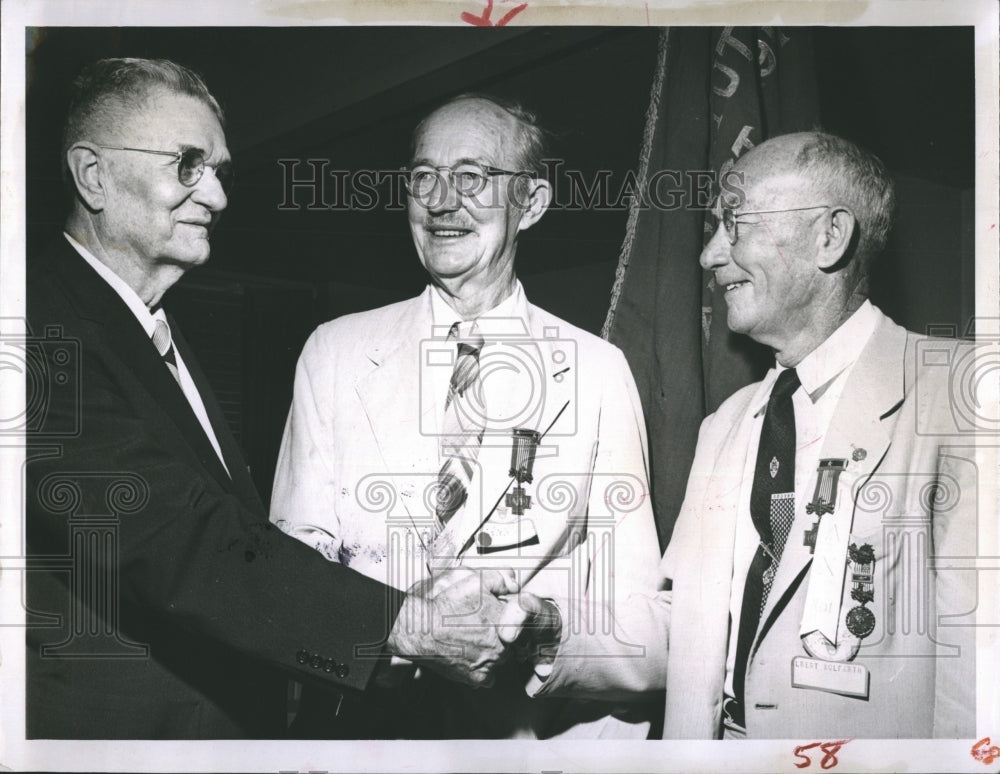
(830, 676)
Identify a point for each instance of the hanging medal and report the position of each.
(524, 444)
(824, 498)
(860, 620)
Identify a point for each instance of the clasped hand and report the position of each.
(463, 623)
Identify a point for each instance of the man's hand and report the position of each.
(448, 624)
(532, 627)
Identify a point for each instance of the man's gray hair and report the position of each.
(108, 90)
(857, 178)
(531, 140)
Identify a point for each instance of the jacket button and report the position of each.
(343, 671)
(316, 662)
(302, 656)
(329, 665)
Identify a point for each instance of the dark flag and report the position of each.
(715, 94)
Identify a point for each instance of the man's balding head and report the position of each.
(523, 140)
(839, 172)
(793, 255)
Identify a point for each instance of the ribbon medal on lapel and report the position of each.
(860, 620)
(825, 497)
(522, 459)
(501, 537)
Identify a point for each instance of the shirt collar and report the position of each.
(838, 352)
(122, 288)
(505, 319)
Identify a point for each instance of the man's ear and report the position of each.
(835, 238)
(87, 172)
(539, 195)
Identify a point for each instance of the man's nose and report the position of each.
(445, 196)
(716, 252)
(208, 191)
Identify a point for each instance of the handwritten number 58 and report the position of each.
(829, 750)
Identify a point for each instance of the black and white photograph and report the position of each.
(500, 386)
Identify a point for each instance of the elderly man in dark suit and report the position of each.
(180, 613)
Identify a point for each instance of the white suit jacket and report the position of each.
(359, 460)
(912, 498)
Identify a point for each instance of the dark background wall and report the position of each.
(349, 97)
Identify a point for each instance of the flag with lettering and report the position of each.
(716, 93)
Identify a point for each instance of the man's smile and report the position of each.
(448, 231)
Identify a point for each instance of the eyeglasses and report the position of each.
(729, 218)
(469, 178)
(190, 165)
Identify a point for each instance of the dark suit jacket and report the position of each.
(161, 602)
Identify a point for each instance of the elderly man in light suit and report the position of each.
(549, 476)
(836, 609)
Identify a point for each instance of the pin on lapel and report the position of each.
(858, 454)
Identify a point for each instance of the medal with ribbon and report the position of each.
(522, 459)
(860, 620)
(825, 497)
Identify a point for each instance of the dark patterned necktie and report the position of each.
(772, 508)
(461, 427)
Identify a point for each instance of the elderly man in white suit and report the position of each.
(855, 620)
(548, 477)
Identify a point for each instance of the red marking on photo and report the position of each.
(984, 752)
(484, 20)
(829, 750)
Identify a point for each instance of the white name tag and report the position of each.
(830, 676)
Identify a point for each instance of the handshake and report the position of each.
(464, 623)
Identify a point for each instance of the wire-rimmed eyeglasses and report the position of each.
(730, 219)
(190, 165)
(468, 178)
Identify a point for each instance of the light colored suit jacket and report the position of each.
(912, 498)
(359, 462)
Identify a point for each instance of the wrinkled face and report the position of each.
(770, 278)
(468, 237)
(148, 212)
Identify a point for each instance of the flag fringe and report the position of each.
(652, 111)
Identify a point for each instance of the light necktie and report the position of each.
(772, 508)
(461, 427)
(165, 346)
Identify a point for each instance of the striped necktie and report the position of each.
(165, 346)
(461, 428)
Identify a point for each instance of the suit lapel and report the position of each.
(239, 476)
(718, 533)
(857, 435)
(399, 410)
(97, 301)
